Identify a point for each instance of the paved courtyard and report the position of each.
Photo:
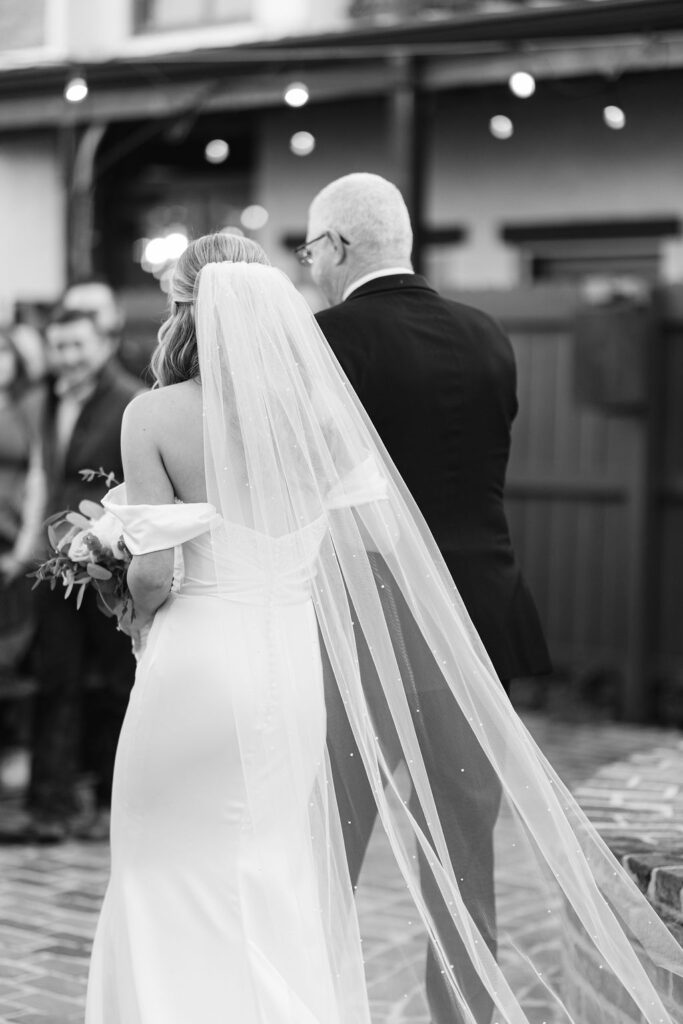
(50, 897)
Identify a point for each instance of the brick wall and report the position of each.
(637, 806)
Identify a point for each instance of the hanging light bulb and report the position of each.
(522, 84)
(302, 143)
(296, 94)
(614, 117)
(216, 151)
(76, 89)
(501, 127)
(254, 217)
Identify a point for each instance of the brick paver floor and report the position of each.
(50, 897)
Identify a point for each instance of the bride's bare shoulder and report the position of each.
(163, 413)
(174, 399)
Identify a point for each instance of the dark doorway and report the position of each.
(153, 180)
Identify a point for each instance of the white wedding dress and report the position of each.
(312, 575)
(212, 913)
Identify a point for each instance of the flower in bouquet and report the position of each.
(89, 550)
(102, 536)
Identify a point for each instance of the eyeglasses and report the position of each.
(303, 252)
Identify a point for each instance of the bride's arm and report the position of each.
(149, 576)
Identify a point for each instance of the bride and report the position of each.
(277, 553)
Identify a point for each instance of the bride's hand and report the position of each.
(133, 624)
(137, 627)
(128, 622)
(140, 640)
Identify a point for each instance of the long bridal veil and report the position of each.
(291, 454)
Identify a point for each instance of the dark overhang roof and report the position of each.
(438, 37)
(361, 58)
(585, 18)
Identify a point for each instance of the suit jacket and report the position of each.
(438, 380)
(95, 442)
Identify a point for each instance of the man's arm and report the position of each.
(341, 333)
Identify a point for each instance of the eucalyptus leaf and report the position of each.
(104, 607)
(76, 519)
(92, 509)
(66, 539)
(98, 572)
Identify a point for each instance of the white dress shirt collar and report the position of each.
(388, 272)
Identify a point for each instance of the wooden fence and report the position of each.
(595, 501)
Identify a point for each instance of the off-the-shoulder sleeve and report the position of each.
(363, 484)
(157, 527)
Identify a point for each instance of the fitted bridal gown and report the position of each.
(213, 910)
(230, 900)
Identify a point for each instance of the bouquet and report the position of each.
(89, 551)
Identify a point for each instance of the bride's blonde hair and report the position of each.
(175, 357)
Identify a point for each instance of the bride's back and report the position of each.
(179, 435)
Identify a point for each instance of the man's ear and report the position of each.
(338, 246)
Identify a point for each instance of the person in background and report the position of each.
(22, 508)
(438, 381)
(88, 395)
(30, 344)
(98, 298)
(22, 475)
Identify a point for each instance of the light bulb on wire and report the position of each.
(302, 143)
(216, 151)
(254, 217)
(76, 89)
(501, 127)
(522, 84)
(296, 94)
(614, 117)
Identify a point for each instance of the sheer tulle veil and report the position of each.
(290, 453)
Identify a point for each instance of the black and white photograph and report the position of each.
(341, 512)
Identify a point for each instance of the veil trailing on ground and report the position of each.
(290, 454)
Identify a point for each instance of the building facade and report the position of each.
(166, 78)
(526, 206)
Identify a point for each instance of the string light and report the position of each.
(296, 94)
(501, 127)
(163, 248)
(614, 117)
(302, 143)
(76, 89)
(522, 84)
(217, 151)
(254, 217)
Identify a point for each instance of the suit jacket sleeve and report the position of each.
(339, 331)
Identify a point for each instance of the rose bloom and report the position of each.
(108, 532)
(79, 551)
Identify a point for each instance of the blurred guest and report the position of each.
(22, 505)
(22, 480)
(98, 298)
(83, 423)
(132, 350)
(30, 345)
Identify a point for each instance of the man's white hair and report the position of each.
(369, 211)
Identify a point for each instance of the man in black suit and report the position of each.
(438, 381)
(85, 405)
